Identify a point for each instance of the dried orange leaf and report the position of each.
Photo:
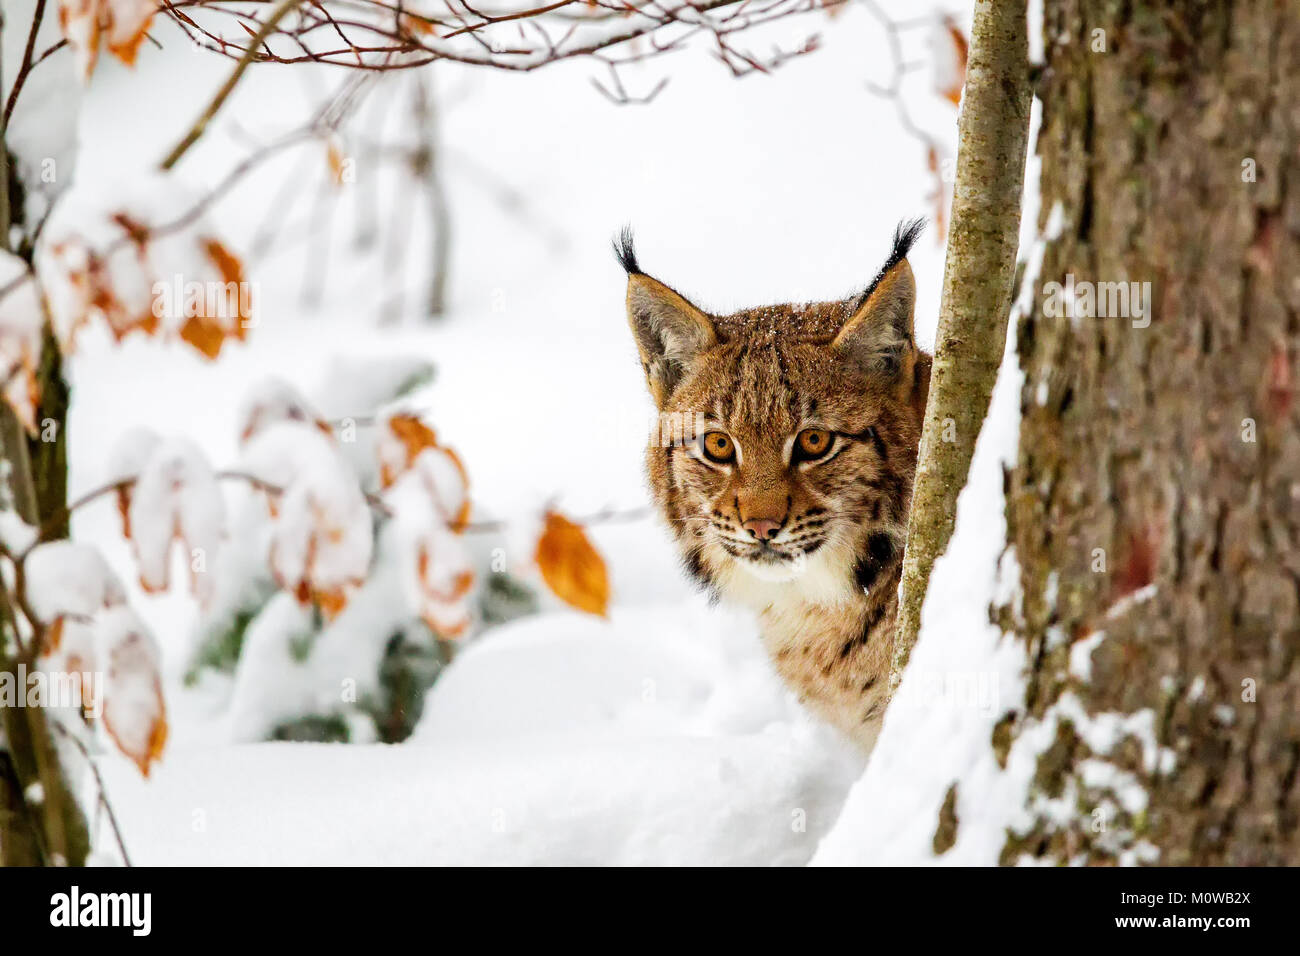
(204, 336)
(120, 24)
(443, 609)
(334, 156)
(413, 437)
(958, 41)
(227, 263)
(222, 317)
(571, 567)
(951, 53)
(408, 450)
(415, 23)
(124, 509)
(54, 636)
(331, 603)
(154, 742)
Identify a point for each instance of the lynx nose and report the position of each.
(763, 529)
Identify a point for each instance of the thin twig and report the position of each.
(99, 786)
(604, 516)
(25, 66)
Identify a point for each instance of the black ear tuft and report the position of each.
(905, 235)
(625, 252)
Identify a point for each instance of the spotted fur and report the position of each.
(825, 586)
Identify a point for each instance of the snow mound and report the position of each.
(657, 737)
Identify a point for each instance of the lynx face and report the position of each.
(796, 477)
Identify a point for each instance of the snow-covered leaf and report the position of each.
(67, 578)
(322, 534)
(15, 533)
(401, 439)
(142, 257)
(130, 454)
(443, 477)
(408, 445)
(70, 647)
(135, 715)
(445, 580)
(436, 570)
(428, 493)
(571, 567)
(274, 400)
(949, 47)
(176, 498)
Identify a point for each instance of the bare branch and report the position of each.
(268, 27)
(100, 789)
(26, 64)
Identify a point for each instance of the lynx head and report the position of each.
(788, 434)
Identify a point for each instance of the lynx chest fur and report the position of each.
(784, 464)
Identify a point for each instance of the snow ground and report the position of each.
(657, 736)
(561, 739)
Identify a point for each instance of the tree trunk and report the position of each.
(977, 281)
(51, 828)
(48, 448)
(1155, 505)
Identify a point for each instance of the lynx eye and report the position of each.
(718, 447)
(812, 444)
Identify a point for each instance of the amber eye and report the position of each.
(718, 447)
(812, 444)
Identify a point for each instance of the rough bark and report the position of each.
(978, 275)
(18, 831)
(1156, 499)
(47, 450)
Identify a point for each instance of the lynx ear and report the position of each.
(877, 338)
(670, 332)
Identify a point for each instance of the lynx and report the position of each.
(792, 496)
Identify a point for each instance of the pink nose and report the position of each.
(763, 529)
